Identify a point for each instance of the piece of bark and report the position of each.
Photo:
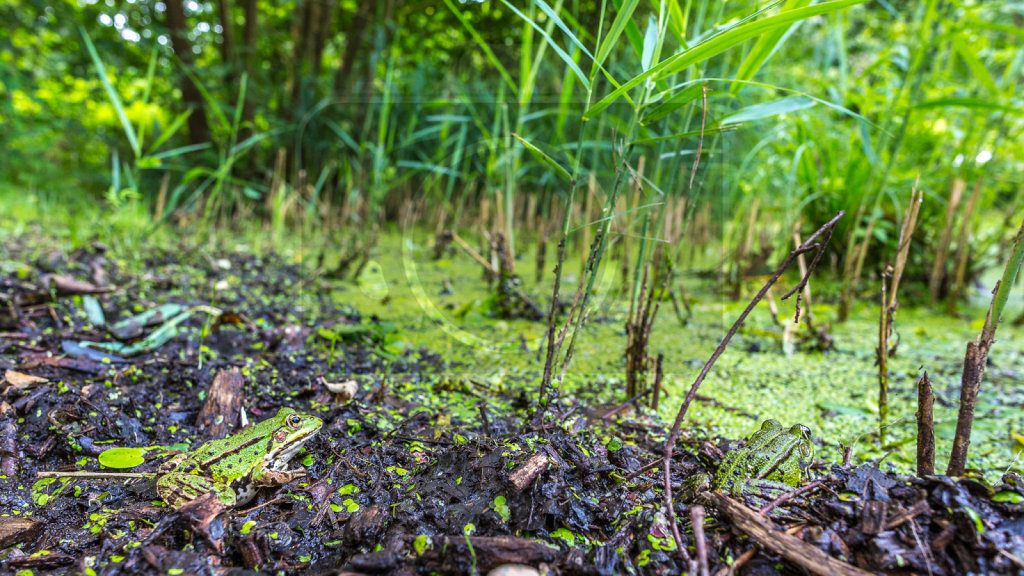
(492, 552)
(205, 514)
(220, 411)
(17, 530)
(525, 474)
(9, 452)
(765, 533)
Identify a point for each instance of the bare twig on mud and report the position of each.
(790, 495)
(811, 244)
(977, 353)
(97, 475)
(764, 532)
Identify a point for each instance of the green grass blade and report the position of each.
(768, 109)
(762, 49)
(707, 130)
(718, 44)
(561, 26)
(622, 18)
(566, 58)
(973, 103)
(150, 74)
(543, 157)
(115, 100)
(211, 102)
(175, 152)
(675, 102)
(175, 125)
(981, 74)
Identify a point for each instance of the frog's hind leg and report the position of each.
(270, 478)
(177, 489)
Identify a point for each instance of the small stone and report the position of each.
(514, 570)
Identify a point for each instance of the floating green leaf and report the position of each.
(123, 457)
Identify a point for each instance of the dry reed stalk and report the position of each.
(890, 303)
(962, 249)
(938, 275)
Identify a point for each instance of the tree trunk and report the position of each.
(300, 40)
(249, 59)
(353, 43)
(198, 131)
(227, 47)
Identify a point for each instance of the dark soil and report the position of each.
(397, 481)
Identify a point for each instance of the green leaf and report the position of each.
(763, 48)
(1008, 496)
(768, 109)
(93, 310)
(420, 544)
(716, 45)
(544, 158)
(123, 457)
(501, 507)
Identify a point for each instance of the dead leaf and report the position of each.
(22, 381)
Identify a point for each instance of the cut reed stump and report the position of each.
(977, 353)
(925, 427)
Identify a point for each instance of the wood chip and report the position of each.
(17, 530)
(525, 474)
(219, 414)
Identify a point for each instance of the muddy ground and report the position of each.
(423, 471)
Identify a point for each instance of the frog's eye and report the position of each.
(294, 420)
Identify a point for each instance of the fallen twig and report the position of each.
(790, 495)
(767, 534)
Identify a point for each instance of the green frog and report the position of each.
(773, 457)
(235, 467)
